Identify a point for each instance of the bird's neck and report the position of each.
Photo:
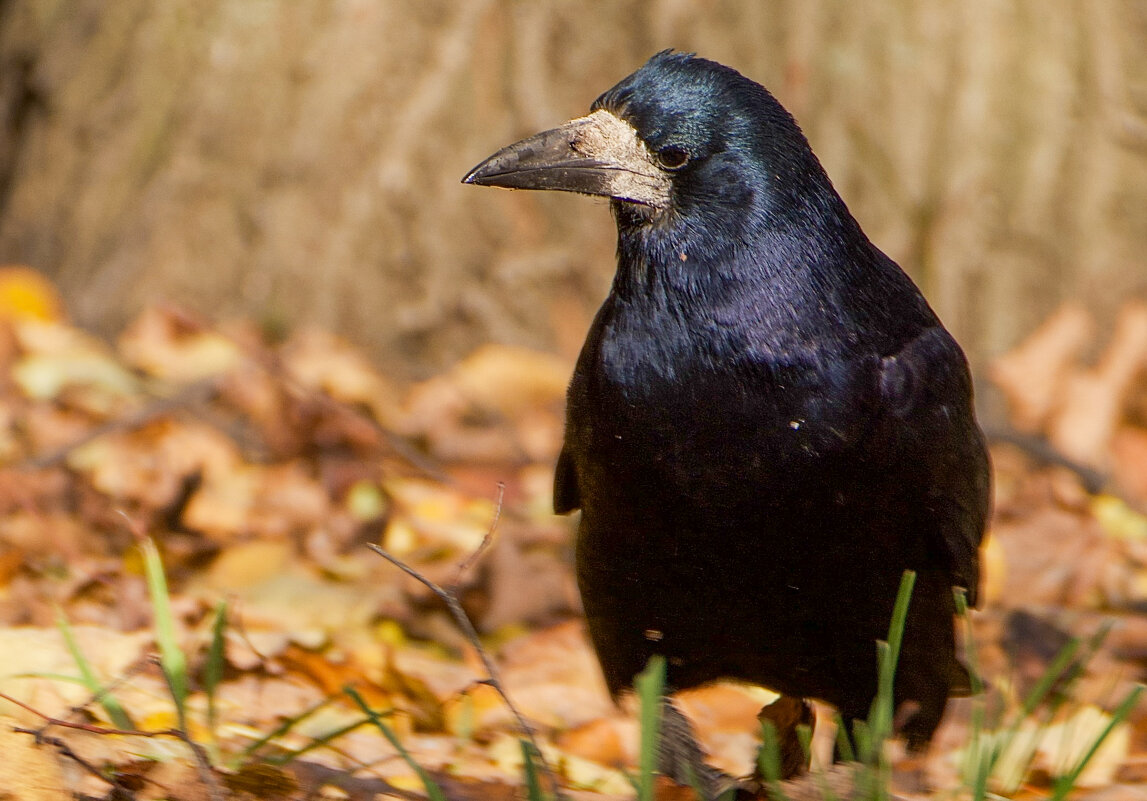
(754, 255)
(803, 283)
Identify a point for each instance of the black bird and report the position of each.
(767, 423)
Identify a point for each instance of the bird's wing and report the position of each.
(926, 389)
(566, 495)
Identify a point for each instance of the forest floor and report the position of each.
(258, 472)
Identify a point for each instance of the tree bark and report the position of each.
(299, 161)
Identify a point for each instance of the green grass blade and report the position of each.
(899, 621)
(114, 709)
(985, 751)
(870, 739)
(650, 686)
(977, 764)
(171, 657)
(865, 744)
(433, 791)
(1065, 783)
(1056, 670)
(694, 781)
(288, 757)
(280, 730)
(880, 724)
(880, 718)
(816, 770)
(843, 740)
(213, 670)
(1064, 662)
(769, 760)
(51, 677)
(533, 785)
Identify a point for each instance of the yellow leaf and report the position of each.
(365, 501)
(1118, 519)
(26, 294)
(432, 515)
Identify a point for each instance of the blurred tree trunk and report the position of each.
(299, 161)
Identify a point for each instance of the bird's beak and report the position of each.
(600, 154)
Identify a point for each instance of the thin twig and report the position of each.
(203, 763)
(450, 598)
(129, 673)
(469, 561)
(65, 750)
(200, 754)
(68, 724)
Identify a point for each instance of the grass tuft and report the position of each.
(172, 660)
(650, 687)
(433, 791)
(111, 706)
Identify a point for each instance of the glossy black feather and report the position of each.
(767, 423)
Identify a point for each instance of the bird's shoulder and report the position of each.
(929, 424)
(926, 373)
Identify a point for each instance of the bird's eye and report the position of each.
(673, 157)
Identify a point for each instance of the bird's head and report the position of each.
(683, 138)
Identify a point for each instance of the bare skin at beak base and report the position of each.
(599, 154)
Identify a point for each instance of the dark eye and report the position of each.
(673, 157)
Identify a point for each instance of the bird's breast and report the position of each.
(670, 402)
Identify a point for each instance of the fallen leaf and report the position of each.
(1093, 400)
(31, 652)
(1129, 461)
(1032, 374)
(29, 771)
(608, 740)
(150, 465)
(431, 515)
(27, 294)
(58, 357)
(554, 677)
(724, 716)
(320, 360)
(1056, 749)
(248, 500)
(499, 403)
(169, 343)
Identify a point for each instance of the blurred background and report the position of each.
(299, 162)
(214, 186)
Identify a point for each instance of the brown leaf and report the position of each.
(724, 717)
(554, 676)
(319, 360)
(151, 464)
(1093, 400)
(29, 771)
(665, 789)
(1129, 461)
(261, 781)
(1032, 374)
(246, 500)
(499, 404)
(525, 583)
(172, 344)
(608, 740)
